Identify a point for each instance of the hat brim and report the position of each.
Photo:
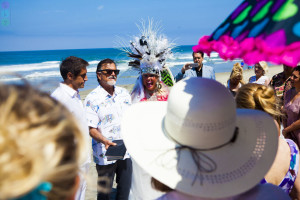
(240, 165)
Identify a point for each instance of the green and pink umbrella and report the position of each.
(258, 30)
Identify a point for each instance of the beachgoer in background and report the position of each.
(282, 82)
(41, 146)
(260, 69)
(73, 71)
(292, 109)
(200, 71)
(284, 171)
(235, 80)
(204, 149)
(104, 108)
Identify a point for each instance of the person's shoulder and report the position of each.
(94, 93)
(56, 92)
(279, 75)
(121, 90)
(265, 76)
(252, 79)
(288, 95)
(59, 95)
(264, 191)
(208, 67)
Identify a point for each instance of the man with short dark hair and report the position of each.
(74, 73)
(104, 107)
(199, 70)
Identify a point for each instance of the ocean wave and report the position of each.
(94, 62)
(8, 79)
(214, 55)
(30, 67)
(43, 74)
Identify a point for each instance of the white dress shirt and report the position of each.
(71, 99)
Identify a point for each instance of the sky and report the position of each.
(82, 24)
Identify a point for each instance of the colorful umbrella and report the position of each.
(258, 30)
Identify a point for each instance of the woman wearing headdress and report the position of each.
(235, 80)
(150, 51)
(284, 171)
(41, 146)
(260, 70)
(149, 86)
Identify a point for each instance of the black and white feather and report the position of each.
(150, 48)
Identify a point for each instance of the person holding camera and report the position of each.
(196, 69)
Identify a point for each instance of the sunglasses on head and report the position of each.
(110, 71)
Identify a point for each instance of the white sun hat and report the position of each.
(198, 143)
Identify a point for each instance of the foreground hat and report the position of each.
(198, 143)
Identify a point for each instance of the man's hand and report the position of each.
(186, 67)
(108, 143)
(96, 134)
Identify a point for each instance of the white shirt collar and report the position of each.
(116, 91)
(70, 91)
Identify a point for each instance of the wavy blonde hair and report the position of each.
(39, 142)
(259, 97)
(236, 71)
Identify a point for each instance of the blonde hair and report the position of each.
(236, 71)
(39, 142)
(264, 66)
(259, 97)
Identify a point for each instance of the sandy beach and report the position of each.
(91, 192)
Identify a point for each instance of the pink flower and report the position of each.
(204, 45)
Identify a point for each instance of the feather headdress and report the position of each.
(150, 49)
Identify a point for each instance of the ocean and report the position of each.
(41, 68)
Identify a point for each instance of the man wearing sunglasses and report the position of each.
(104, 108)
(73, 71)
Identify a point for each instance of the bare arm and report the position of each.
(295, 193)
(294, 126)
(97, 135)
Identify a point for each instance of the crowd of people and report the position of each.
(195, 140)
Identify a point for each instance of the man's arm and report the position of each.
(180, 74)
(96, 135)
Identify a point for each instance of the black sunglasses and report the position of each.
(110, 71)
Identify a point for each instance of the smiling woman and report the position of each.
(260, 69)
(155, 90)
